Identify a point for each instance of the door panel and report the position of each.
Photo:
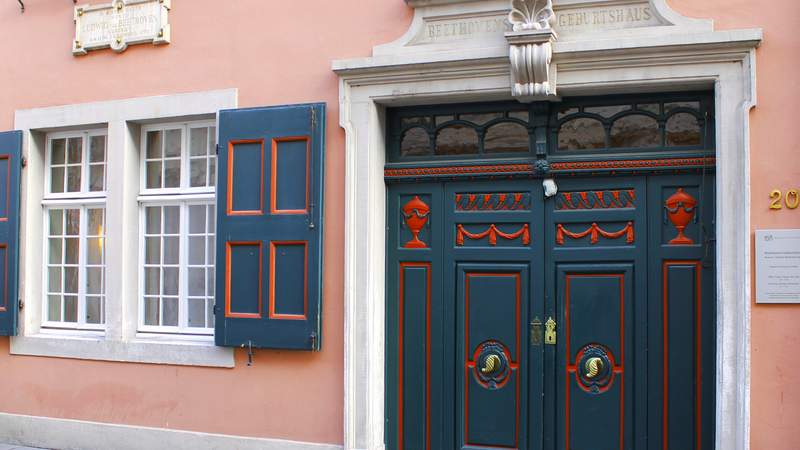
(597, 304)
(492, 306)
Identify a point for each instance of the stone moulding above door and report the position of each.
(431, 65)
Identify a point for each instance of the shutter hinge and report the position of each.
(313, 337)
(216, 309)
(217, 148)
(23, 162)
(21, 305)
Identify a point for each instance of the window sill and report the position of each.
(151, 350)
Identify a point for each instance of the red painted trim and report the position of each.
(228, 312)
(244, 212)
(617, 368)
(698, 341)
(470, 363)
(492, 232)
(274, 174)
(596, 232)
(5, 280)
(272, 313)
(8, 187)
(511, 169)
(400, 374)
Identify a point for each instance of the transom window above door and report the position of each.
(644, 124)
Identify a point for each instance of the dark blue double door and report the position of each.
(583, 321)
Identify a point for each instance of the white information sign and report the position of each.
(119, 24)
(778, 266)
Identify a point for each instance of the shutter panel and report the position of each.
(269, 227)
(10, 167)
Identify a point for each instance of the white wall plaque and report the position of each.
(778, 266)
(119, 24)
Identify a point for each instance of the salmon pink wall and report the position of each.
(774, 164)
(280, 52)
(274, 52)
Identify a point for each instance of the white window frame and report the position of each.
(122, 340)
(81, 205)
(184, 187)
(72, 200)
(84, 193)
(182, 196)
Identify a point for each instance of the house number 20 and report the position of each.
(791, 199)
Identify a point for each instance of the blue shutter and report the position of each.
(10, 167)
(269, 227)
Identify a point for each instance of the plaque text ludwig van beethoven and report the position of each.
(119, 24)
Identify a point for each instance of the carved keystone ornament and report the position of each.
(531, 50)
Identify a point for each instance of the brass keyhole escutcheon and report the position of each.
(490, 364)
(593, 367)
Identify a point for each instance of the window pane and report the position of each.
(580, 134)
(480, 118)
(57, 151)
(211, 249)
(56, 222)
(154, 144)
(97, 149)
(212, 219)
(607, 111)
(97, 177)
(73, 221)
(94, 310)
(635, 131)
(152, 283)
(70, 308)
(170, 280)
(210, 282)
(94, 251)
(197, 312)
(415, 142)
(172, 220)
(57, 180)
(172, 143)
(54, 308)
(212, 171)
(172, 173)
(54, 279)
(198, 141)
(506, 138)
(74, 150)
(152, 250)
(171, 250)
(151, 311)
(95, 221)
(71, 280)
(170, 311)
(54, 250)
(73, 178)
(197, 285)
(153, 174)
(457, 140)
(71, 250)
(197, 250)
(683, 129)
(210, 312)
(197, 219)
(198, 167)
(153, 219)
(94, 280)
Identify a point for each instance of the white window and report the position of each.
(74, 213)
(177, 228)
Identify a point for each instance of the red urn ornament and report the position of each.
(416, 213)
(680, 208)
